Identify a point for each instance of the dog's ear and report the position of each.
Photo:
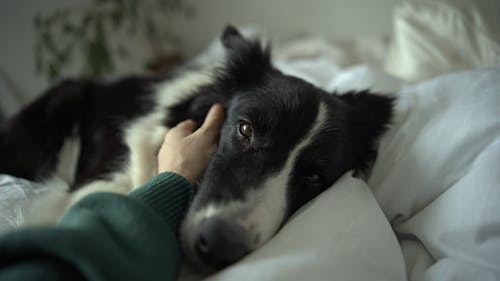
(232, 39)
(247, 59)
(368, 116)
(368, 110)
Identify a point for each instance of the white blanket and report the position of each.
(438, 177)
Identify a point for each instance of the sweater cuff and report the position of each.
(167, 194)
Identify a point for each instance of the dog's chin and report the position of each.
(194, 267)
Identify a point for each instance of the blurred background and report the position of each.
(46, 40)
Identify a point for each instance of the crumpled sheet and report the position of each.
(437, 177)
(15, 195)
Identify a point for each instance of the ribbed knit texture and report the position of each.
(105, 237)
(168, 200)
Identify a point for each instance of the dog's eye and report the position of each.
(245, 129)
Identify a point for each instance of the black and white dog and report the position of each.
(283, 142)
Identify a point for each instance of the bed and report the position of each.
(430, 209)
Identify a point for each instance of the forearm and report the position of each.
(110, 236)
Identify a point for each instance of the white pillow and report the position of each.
(436, 37)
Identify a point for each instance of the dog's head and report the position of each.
(283, 142)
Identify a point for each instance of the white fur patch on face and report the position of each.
(271, 198)
(264, 207)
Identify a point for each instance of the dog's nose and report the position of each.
(221, 243)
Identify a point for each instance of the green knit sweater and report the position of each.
(105, 236)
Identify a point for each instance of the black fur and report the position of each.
(29, 141)
(93, 111)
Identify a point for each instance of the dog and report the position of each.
(283, 142)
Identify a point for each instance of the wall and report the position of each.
(19, 82)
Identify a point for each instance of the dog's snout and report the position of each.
(221, 243)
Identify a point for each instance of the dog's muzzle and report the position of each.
(221, 243)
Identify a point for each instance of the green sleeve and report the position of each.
(105, 236)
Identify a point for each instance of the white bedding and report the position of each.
(434, 37)
(438, 177)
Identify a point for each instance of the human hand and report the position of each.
(187, 153)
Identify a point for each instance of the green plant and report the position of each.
(83, 33)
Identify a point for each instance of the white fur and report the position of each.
(170, 92)
(145, 135)
(48, 205)
(67, 160)
(53, 197)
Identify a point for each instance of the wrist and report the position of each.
(183, 173)
(167, 194)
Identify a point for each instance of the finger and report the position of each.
(183, 129)
(214, 119)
